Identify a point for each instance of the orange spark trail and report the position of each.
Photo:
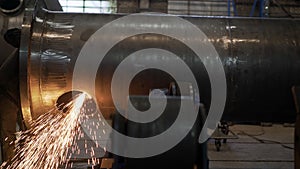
(46, 144)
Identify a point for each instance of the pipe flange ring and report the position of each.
(10, 6)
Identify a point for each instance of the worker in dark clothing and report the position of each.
(9, 93)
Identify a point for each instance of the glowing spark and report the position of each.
(47, 143)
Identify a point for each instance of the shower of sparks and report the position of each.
(51, 141)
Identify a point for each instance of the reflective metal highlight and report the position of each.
(260, 58)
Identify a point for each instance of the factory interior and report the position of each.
(150, 84)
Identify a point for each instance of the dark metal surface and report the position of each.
(260, 58)
(187, 154)
(53, 5)
(10, 6)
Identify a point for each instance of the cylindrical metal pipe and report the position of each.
(10, 6)
(260, 58)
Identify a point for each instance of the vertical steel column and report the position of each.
(253, 8)
(261, 8)
(229, 3)
(262, 4)
(228, 6)
(234, 8)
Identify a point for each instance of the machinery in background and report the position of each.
(10, 29)
(260, 58)
(189, 153)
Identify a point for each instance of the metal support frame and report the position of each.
(261, 8)
(231, 2)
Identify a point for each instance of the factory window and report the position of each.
(89, 6)
(203, 7)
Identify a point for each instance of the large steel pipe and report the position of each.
(261, 59)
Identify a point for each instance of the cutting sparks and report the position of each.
(50, 142)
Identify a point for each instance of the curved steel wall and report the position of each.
(261, 58)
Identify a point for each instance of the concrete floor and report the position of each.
(248, 153)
